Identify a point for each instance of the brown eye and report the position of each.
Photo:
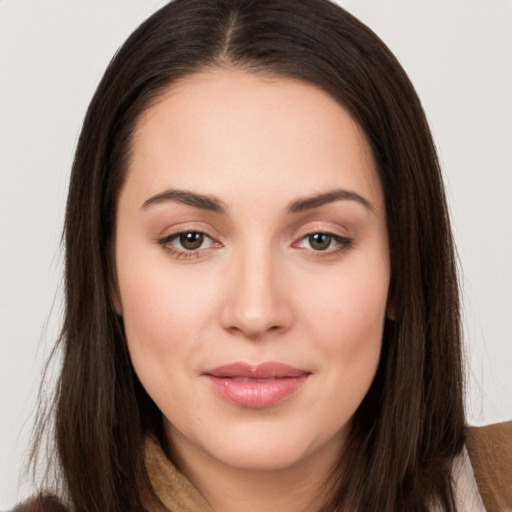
(320, 241)
(188, 244)
(191, 241)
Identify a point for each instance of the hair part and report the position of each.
(410, 426)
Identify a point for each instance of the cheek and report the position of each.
(352, 343)
(346, 320)
(348, 313)
(162, 319)
(348, 333)
(164, 312)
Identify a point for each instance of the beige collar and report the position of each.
(175, 492)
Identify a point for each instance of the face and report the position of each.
(252, 268)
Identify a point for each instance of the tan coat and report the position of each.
(490, 451)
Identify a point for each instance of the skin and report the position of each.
(257, 289)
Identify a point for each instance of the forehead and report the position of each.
(228, 125)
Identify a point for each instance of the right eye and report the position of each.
(186, 244)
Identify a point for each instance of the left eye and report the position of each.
(323, 241)
(189, 241)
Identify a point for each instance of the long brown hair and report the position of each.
(410, 426)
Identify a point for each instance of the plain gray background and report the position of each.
(458, 54)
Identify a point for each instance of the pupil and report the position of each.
(191, 241)
(320, 241)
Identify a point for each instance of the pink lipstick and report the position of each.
(256, 386)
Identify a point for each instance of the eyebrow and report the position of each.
(201, 201)
(211, 203)
(312, 202)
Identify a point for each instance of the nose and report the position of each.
(256, 300)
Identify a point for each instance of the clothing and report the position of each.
(490, 451)
(175, 492)
(482, 476)
(466, 492)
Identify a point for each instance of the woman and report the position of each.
(261, 297)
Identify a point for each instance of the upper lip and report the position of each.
(267, 370)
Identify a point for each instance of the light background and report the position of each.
(458, 54)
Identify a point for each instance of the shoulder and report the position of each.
(490, 452)
(41, 504)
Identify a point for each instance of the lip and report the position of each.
(256, 386)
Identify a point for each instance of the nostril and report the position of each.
(257, 306)
(253, 332)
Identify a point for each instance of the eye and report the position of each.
(324, 242)
(319, 241)
(187, 243)
(191, 241)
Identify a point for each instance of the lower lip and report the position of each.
(256, 395)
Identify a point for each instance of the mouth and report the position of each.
(256, 386)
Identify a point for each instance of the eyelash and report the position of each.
(342, 244)
(166, 243)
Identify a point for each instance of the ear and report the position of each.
(116, 299)
(390, 310)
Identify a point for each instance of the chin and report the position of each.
(266, 445)
(262, 457)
